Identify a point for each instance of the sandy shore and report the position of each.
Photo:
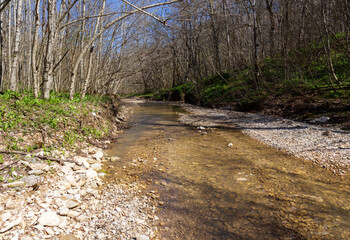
(327, 147)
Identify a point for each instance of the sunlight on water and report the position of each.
(245, 191)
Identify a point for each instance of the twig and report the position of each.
(39, 156)
(8, 165)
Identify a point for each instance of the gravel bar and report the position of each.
(325, 146)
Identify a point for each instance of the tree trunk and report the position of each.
(49, 60)
(87, 80)
(14, 73)
(35, 68)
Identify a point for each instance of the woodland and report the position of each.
(211, 51)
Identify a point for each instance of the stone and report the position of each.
(242, 179)
(68, 237)
(71, 204)
(8, 225)
(71, 180)
(82, 218)
(50, 219)
(32, 180)
(14, 184)
(114, 159)
(63, 211)
(98, 155)
(26, 238)
(96, 166)
(5, 216)
(140, 237)
(10, 204)
(66, 169)
(35, 172)
(73, 214)
(91, 174)
(64, 185)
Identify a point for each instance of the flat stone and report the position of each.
(66, 169)
(5, 216)
(71, 180)
(14, 184)
(50, 219)
(140, 237)
(82, 218)
(71, 204)
(73, 214)
(91, 174)
(8, 225)
(26, 238)
(32, 180)
(98, 155)
(35, 172)
(63, 211)
(96, 166)
(68, 237)
(114, 159)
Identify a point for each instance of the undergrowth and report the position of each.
(27, 123)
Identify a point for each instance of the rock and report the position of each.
(322, 119)
(91, 174)
(66, 169)
(82, 218)
(32, 180)
(230, 145)
(5, 216)
(86, 164)
(8, 225)
(140, 237)
(98, 155)
(14, 184)
(64, 185)
(114, 159)
(50, 219)
(242, 179)
(35, 172)
(39, 166)
(96, 166)
(73, 214)
(71, 204)
(26, 238)
(63, 211)
(50, 232)
(71, 180)
(10, 204)
(68, 237)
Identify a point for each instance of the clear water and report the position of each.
(246, 191)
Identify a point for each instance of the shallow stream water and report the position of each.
(221, 184)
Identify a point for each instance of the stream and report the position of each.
(218, 183)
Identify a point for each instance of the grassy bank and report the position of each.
(27, 123)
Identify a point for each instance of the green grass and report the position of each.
(22, 113)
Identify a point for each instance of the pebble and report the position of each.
(140, 237)
(49, 219)
(72, 204)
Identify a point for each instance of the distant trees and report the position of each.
(206, 37)
(100, 47)
(68, 45)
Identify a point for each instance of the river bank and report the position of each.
(60, 193)
(325, 146)
(218, 183)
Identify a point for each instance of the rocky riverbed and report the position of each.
(325, 146)
(69, 199)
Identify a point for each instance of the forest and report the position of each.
(219, 51)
